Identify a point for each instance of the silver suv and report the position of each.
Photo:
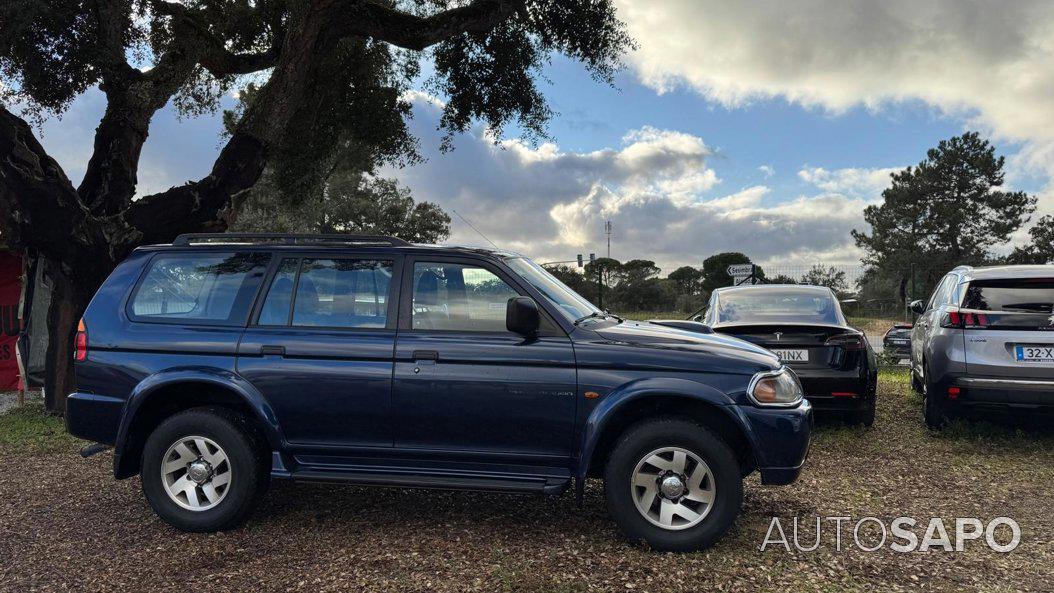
(985, 342)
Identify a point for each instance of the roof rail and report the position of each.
(187, 239)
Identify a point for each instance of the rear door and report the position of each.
(1009, 327)
(320, 349)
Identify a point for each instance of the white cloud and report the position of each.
(853, 181)
(988, 63)
(767, 170)
(992, 60)
(656, 187)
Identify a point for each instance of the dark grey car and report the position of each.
(985, 342)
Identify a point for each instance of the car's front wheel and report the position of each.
(673, 484)
(204, 469)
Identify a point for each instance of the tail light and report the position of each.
(80, 342)
(964, 318)
(847, 341)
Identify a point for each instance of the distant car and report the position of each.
(985, 342)
(805, 327)
(897, 340)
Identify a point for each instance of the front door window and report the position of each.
(458, 297)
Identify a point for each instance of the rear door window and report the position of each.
(334, 293)
(942, 292)
(199, 288)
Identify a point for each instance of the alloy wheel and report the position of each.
(196, 473)
(673, 488)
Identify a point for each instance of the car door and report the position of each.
(462, 381)
(320, 349)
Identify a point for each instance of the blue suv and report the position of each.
(221, 362)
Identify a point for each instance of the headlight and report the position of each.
(779, 388)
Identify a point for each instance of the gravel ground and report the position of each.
(65, 525)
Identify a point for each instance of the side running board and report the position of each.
(490, 483)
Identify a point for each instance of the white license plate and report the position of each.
(898, 342)
(792, 355)
(1035, 353)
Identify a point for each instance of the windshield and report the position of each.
(570, 303)
(778, 307)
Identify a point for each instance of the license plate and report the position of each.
(898, 342)
(792, 355)
(1035, 353)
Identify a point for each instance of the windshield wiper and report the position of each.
(593, 315)
(598, 315)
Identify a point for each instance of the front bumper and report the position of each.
(781, 437)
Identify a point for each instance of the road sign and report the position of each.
(580, 260)
(740, 269)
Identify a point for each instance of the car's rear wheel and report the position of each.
(934, 414)
(866, 416)
(673, 484)
(204, 469)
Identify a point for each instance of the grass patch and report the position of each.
(30, 429)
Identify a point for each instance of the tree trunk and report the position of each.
(68, 301)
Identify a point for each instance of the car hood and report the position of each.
(642, 344)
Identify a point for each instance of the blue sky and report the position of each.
(763, 127)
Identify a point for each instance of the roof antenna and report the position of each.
(475, 229)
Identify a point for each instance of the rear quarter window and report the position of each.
(199, 288)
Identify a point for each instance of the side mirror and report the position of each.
(521, 316)
(917, 307)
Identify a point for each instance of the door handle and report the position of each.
(272, 350)
(425, 355)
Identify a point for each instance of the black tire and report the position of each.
(649, 435)
(247, 455)
(933, 413)
(865, 417)
(916, 385)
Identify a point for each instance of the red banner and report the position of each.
(10, 292)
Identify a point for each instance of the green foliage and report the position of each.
(349, 202)
(583, 284)
(492, 76)
(50, 52)
(30, 429)
(948, 210)
(715, 269)
(639, 288)
(46, 52)
(830, 277)
(689, 280)
(1040, 248)
(609, 268)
